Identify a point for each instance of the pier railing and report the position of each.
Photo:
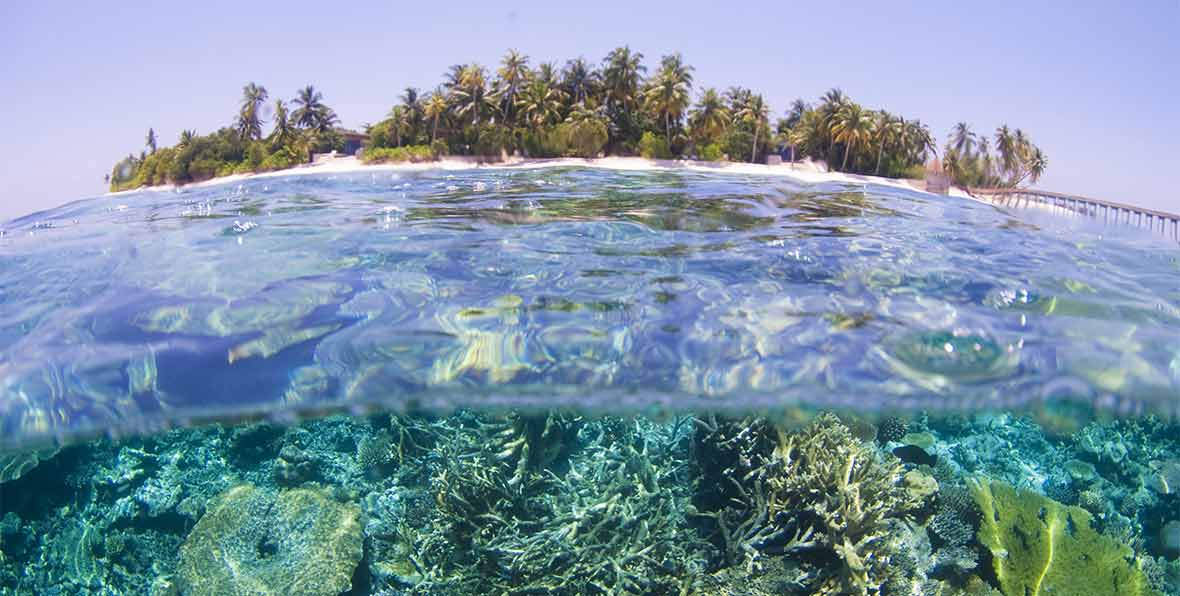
(1166, 224)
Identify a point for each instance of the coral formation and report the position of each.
(1040, 547)
(254, 542)
(558, 503)
(818, 492)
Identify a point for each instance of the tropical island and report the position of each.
(617, 108)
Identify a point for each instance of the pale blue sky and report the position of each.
(1095, 84)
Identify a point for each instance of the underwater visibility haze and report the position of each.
(583, 381)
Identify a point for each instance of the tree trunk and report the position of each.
(668, 129)
(434, 131)
(754, 150)
(880, 151)
(847, 151)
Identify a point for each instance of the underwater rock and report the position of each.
(252, 541)
(1040, 547)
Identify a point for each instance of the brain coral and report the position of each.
(256, 542)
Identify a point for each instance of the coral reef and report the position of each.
(558, 503)
(1041, 547)
(819, 494)
(252, 541)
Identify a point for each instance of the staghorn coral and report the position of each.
(607, 513)
(252, 541)
(1041, 547)
(821, 496)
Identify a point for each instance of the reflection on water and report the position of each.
(568, 287)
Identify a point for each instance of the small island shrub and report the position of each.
(737, 143)
(711, 152)
(412, 154)
(585, 138)
(652, 146)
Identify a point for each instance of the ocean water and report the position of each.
(582, 381)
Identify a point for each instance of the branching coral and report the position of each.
(820, 494)
(549, 505)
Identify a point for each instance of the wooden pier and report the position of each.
(1165, 224)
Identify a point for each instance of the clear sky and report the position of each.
(1096, 84)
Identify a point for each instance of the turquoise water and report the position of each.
(571, 381)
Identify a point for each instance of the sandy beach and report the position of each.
(808, 172)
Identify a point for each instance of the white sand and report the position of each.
(804, 171)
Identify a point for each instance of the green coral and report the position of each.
(1040, 547)
(255, 542)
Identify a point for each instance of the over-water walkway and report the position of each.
(1166, 224)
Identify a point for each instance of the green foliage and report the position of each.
(491, 140)
(412, 154)
(1040, 547)
(282, 159)
(544, 141)
(438, 148)
(736, 142)
(654, 147)
(584, 138)
(255, 542)
(711, 152)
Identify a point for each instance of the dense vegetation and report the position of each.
(294, 137)
(586, 110)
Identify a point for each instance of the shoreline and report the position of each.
(807, 172)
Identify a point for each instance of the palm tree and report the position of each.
(621, 76)
(151, 140)
(795, 113)
(399, 123)
(710, 116)
(830, 105)
(853, 126)
(539, 104)
(1037, 164)
(962, 139)
(249, 122)
(753, 110)
(511, 77)
(667, 94)
(579, 81)
(1009, 152)
(546, 71)
(186, 137)
(471, 96)
(413, 106)
(282, 131)
(311, 109)
(435, 107)
(890, 130)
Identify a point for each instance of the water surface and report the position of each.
(568, 287)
